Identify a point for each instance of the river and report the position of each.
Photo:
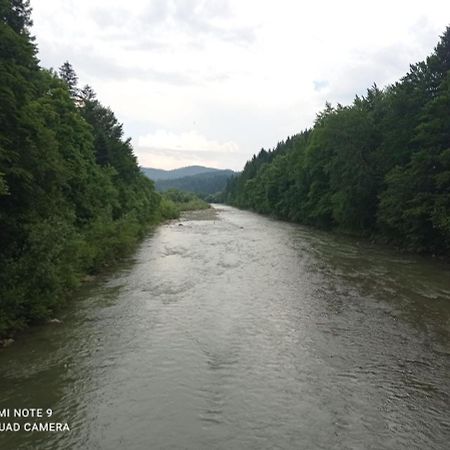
(229, 330)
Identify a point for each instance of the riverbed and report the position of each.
(229, 330)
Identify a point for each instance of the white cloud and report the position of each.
(166, 149)
(186, 141)
(241, 74)
(174, 159)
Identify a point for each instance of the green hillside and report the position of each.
(203, 184)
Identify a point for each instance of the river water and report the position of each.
(235, 331)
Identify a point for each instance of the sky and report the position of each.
(211, 82)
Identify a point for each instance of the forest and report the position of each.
(379, 167)
(72, 197)
(203, 184)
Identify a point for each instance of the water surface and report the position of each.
(241, 332)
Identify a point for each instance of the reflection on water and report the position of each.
(240, 332)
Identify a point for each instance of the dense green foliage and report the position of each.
(177, 201)
(202, 184)
(72, 197)
(379, 167)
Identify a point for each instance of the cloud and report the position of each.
(165, 149)
(190, 141)
(154, 24)
(113, 18)
(382, 66)
(92, 65)
(173, 159)
(198, 18)
(320, 85)
(241, 74)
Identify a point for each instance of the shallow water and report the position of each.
(235, 331)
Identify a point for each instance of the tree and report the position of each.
(16, 14)
(62, 212)
(68, 75)
(87, 95)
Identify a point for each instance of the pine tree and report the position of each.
(87, 95)
(16, 14)
(68, 75)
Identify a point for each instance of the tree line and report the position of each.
(203, 184)
(72, 197)
(379, 167)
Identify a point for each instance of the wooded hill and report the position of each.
(379, 167)
(200, 180)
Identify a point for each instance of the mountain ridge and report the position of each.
(171, 174)
(200, 180)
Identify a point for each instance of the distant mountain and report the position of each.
(202, 184)
(160, 174)
(198, 179)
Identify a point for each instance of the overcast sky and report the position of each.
(210, 82)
